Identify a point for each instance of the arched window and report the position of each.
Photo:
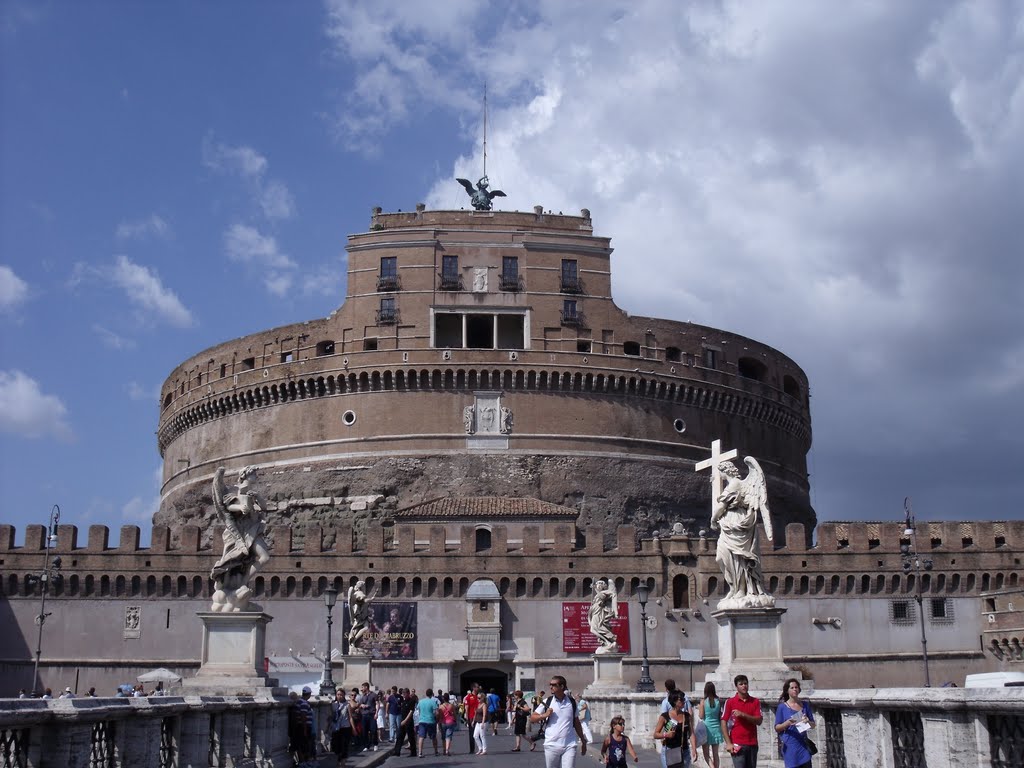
(447, 587)
(197, 586)
(538, 587)
(182, 587)
(463, 586)
(417, 586)
(553, 587)
(680, 591)
(483, 539)
(520, 587)
(119, 586)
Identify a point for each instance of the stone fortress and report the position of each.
(479, 431)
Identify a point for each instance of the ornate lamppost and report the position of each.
(645, 684)
(49, 575)
(327, 685)
(913, 562)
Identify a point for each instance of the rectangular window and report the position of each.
(570, 276)
(901, 612)
(388, 314)
(450, 278)
(448, 330)
(510, 273)
(387, 280)
(449, 266)
(287, 357)
(710, 358)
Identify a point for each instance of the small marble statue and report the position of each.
(603, 608)
(469, 419)
(734, 514)
(358, 612)
(245, 550)
(506, 420)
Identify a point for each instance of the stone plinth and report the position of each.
(358, 669)
(608, 677)
(232, 660)
(750, 643)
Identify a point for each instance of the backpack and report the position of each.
(547, 705)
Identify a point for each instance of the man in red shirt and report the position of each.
(740, 718)
(471, 702)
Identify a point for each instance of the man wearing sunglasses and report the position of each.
(562, 728)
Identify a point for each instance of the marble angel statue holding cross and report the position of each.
(735, 511)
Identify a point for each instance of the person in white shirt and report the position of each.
(583, 712)
(562, 728)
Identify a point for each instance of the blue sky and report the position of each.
(841, 183)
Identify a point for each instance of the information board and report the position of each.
(576, 635)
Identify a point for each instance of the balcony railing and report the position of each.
(571, 284)
(450, 282)
(387, 317)
(572, 319)
(511, 282)
(388, 283)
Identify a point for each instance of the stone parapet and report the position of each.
(166, 730)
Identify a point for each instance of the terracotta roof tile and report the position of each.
(470, 507)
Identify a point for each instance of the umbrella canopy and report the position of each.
(159, 675)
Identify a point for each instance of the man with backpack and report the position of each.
(562, 728)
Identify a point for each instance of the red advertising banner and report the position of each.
(576, 635)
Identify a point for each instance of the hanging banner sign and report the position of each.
(390, 630)
(576, 635)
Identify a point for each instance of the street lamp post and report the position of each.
(327, 686)
(645, 684)
(913, 562)
(49, 575)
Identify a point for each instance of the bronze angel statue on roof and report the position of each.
(735, 514)
(480, 197)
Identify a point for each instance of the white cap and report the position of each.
(68, 689)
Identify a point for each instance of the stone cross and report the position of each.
(717, 457)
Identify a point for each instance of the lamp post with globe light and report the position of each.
(912, 561)
(49, 577)
(645, 684)
(327, 685)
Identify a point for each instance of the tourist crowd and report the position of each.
(366, 719)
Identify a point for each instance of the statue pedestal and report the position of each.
(358, 670)
(608, 674)
(233, 654)
(750, 643)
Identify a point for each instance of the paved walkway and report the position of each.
(499, 755)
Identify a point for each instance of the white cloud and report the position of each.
(839, 181)
(243, 161)
(140, 509)
(138, 392)
(13, 290)
(112, 339)
(328, 280)
(276, 201)
(144, 289)
(271, 196)
(26, 411)
(245, 245)
(150, 226)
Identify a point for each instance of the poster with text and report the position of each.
(390, 630)
(576, 635)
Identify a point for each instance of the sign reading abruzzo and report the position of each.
(390, 632)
